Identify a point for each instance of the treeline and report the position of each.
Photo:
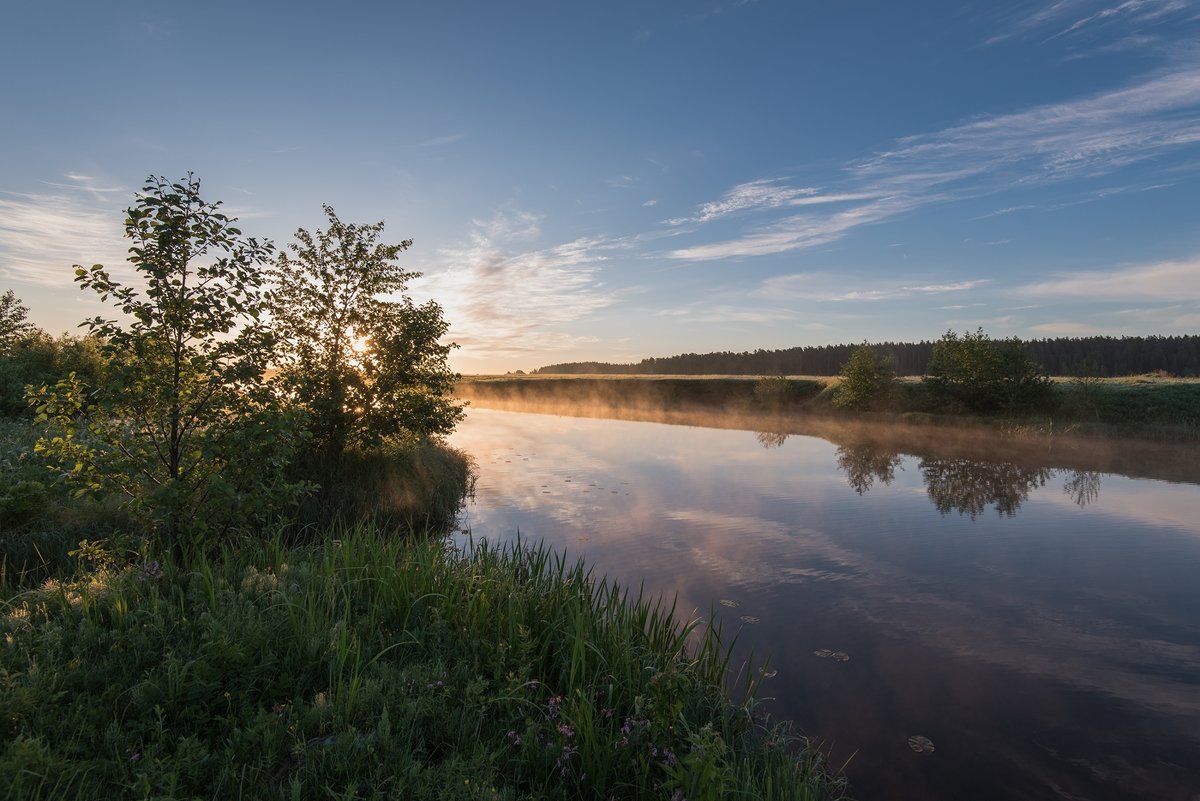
(1098, 356)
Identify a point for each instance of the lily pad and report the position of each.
(824, 653)
(920, 744)
(840, 656)
(749, 619)
(729, 603)
(770, 674)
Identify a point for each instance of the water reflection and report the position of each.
(771, 439)
(1052, 659)
(1082, 486)
(969, 487)
(966, 486)
(866, 463)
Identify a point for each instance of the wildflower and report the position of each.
(566, 730)
(552, 707)
(513, 737)
(150, 570)
(668, 757)
(677, 795)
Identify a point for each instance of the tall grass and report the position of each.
(366, 667)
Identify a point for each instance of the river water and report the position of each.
(1038, 624)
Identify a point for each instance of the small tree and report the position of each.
(986, 375)
(362, 368)
(868, 380)
(14, 324)
(181, 425)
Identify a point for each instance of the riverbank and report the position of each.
(365, 667)
(1142, 407)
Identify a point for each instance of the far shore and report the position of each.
(1161, 450)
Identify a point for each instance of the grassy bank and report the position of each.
(416, 488)
(366, 667)
(1144, 406)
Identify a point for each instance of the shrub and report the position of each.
(985, 375)
(868, 381)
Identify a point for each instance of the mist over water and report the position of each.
(1038, 623)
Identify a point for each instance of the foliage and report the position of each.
(38, 358)
(181, 425)
(14, 324)
(1117, 356)
(364, 369)
(773, 393)
(867, 380)
(986, 375)
(367, 668)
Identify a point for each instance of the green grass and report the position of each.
(368, 667)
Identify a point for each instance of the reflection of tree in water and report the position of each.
(1083, 486)
(771, 439)
(865, 463)
(970, 486)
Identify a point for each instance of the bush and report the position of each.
(868, 381)
(985, 375)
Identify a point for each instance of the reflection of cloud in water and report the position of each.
(751, 552)
(1085, 597)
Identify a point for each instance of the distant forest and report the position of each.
(1101, 356)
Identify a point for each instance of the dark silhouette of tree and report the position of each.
(1176, 355)
(362, 368)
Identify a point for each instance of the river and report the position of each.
(959, 623)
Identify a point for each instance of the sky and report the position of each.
(617, 180)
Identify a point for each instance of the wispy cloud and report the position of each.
(728, 313)
(1085, 137)
(621, 182)
(1064, 328)
(1166, 281)
(831, 287)
(446, 139)
(796, 232)
(42, 235)
(1080, 19)
(766, 193)
(506, 300)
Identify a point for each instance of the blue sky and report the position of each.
(627, 179)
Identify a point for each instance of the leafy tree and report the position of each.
(14, 324)
(986, 375)
(182, 424)
(363, 368)
(868, 381)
